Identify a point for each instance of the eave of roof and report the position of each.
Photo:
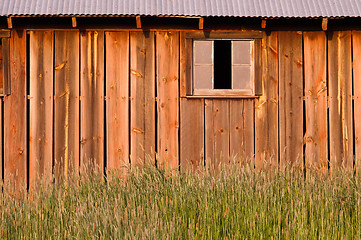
(184, 8)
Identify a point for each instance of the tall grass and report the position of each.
(238, 203)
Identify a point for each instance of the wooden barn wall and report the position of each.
(116, 99)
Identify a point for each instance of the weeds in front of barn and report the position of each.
(238, 203)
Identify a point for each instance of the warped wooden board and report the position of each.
(142, 81)
(186, 54)
(92, 100)
(66, 104)
(191, 134)
(168, 100)
(290, 97)
(15, 149)
(117, 104)
(266, 106)
(356, 48)
(340, 99)
(316, 155)
(41, 106)
(217, 133)
(241, 129)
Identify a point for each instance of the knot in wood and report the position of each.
(21, 151)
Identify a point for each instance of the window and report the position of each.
(228, 66)
(4, 62)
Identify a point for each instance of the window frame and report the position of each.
(255, 36)
(5, 48)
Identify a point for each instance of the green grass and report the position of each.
(239, 203)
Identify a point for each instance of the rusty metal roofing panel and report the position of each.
(204, 8)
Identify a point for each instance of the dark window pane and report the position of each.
(222, 64)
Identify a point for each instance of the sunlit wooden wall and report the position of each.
(113, 99)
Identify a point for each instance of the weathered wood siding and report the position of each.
(113, 99)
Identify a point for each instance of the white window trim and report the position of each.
(225, 92)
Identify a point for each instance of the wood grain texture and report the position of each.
(191, 134)
(340, 99)
(92, 100)
(66, 104)
(6, 65)
(290, 97)
(224, 35)
(356, 48)
(1, 71)
(258, 66)
(15, 151)
(209, 134)
(186, 58)
(266, 106)
(41, 106)
(142, 81)
(217, 133)
(117, 108)
(1, 141)
(241, 129)
(168, 101)
(316, 155)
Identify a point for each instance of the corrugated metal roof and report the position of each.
(234, 8)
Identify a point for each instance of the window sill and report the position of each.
(222, 96)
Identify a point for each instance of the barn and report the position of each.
(182, 83)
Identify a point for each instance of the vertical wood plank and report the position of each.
(191, 134)
(242, 128)
(66, 104)
(15, 152)
(258, 65)
(217, 133)
(221, 131)
(266, 106)
(186, 57)
(290, 97)
(1, 141)
(356, 48)
(340, 99)
(6, 65)
(142, 79)
(209, 134)
(41, 106)
(117, 110)
(1, 71)
(316, 154)
(167, 86)
(92, 100)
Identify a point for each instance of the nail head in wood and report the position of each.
(263, 24)
(201, 22)
(73, 21)
(324, 24)
(139, 22)
(10, 22)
